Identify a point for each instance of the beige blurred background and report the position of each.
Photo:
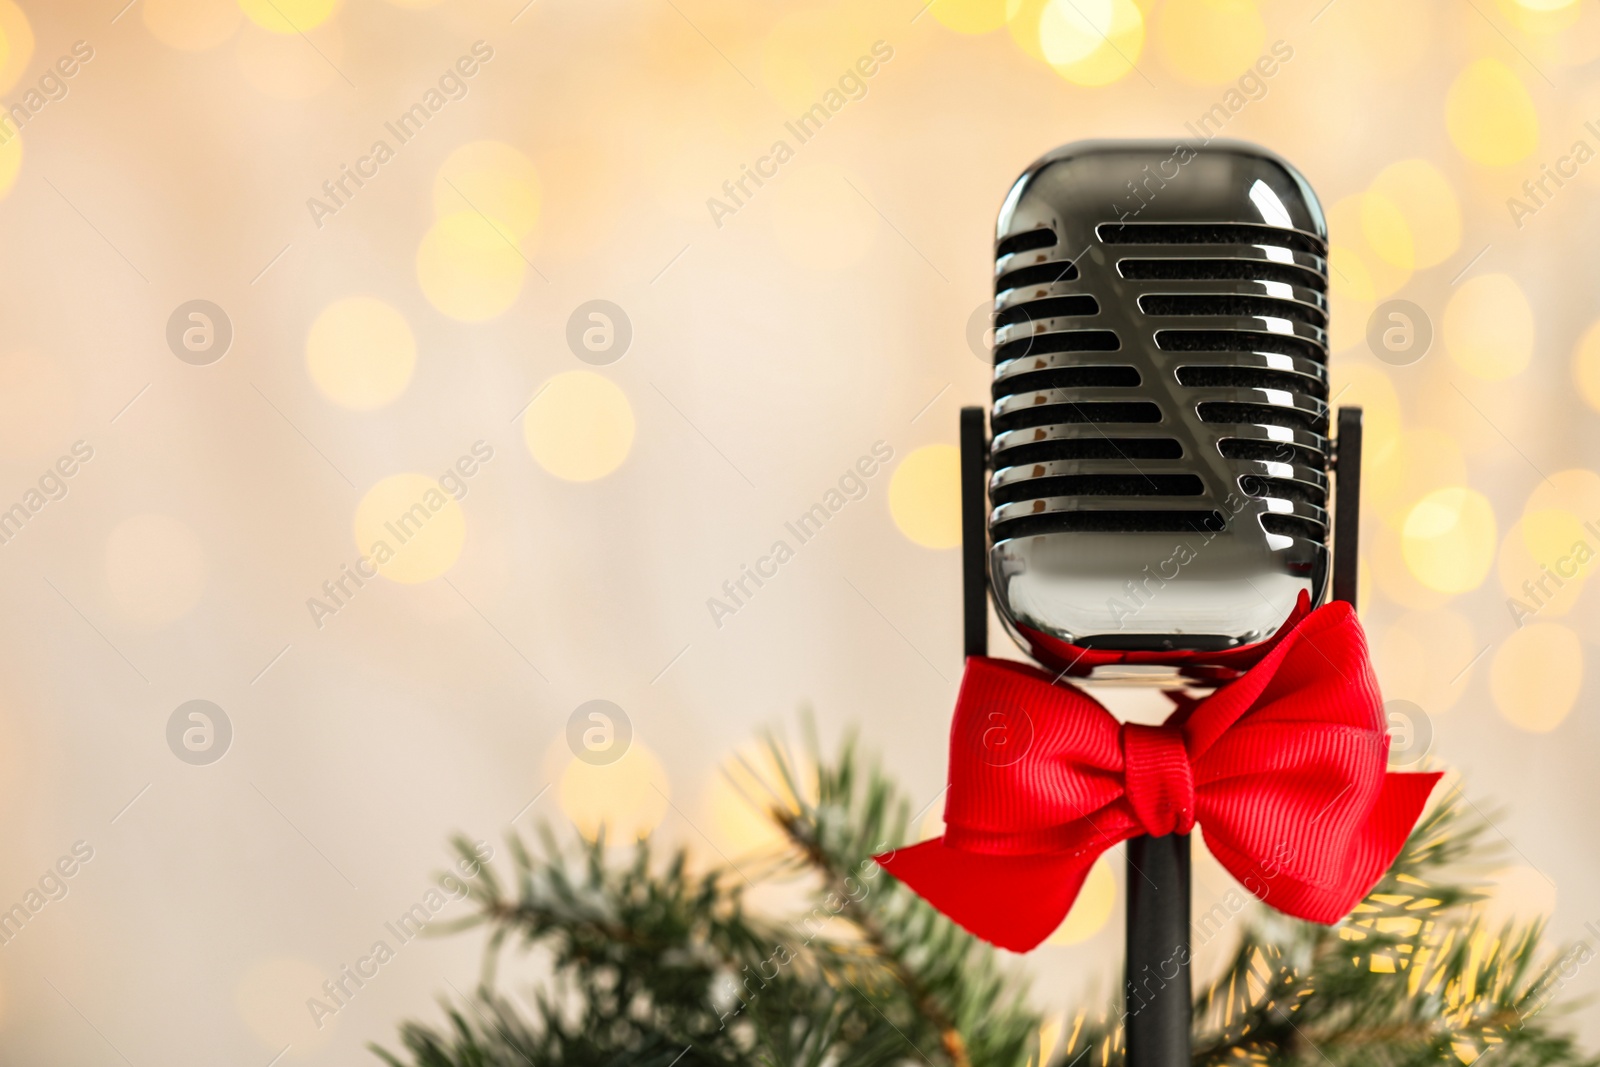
(359, 344)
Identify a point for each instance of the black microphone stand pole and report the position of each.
(1157, 1004)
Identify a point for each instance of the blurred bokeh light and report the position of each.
(787, 211)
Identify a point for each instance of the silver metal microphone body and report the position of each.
(1160, 448)
(1158, 472)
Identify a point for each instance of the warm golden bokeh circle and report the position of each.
(289, 16)
(1348, 314)
(970, 16)
(1542, 17)
(1092, 49)
(409, 528)
(1356, 269)
(1488, 327)
(1023, 18)
(1391, 575)
(811, 48)
(1550, 533)
(1424, 459)
(1449, 539)
(1209, 42)
(1379, 38)
(925, 496)
(490, 177)
(1550, 553)
(1576, 489)
(1410, 215)
(10, 163)
(1529, 563)
(580, 426)
(739, 798)
(361, 352)
(1090, 912)
(1371, 389)
(1426, 657)
(469, 268)
(1586, 366)
(16, 44)
(795, 331)
(1071, 30)
(628, 798)
(281, 65)
(1518, 894)
(1490, 116)
(191, 25)
(1536, 675)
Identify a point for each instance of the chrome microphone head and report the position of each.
(1160, 422)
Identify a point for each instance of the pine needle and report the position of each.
(651, 965)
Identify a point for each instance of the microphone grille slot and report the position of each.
(1221, 328)
(1043, 342)
(1209, 233)
(1295, 526)
(1261, 369)
(1261, 415)
(1054, 307)
(1198, 270)
(1236, 306)
(1265, 451)
(1098, 485)
(1053, 378)
(1045, 272)
(1132, 521)
(1239, 341)
(1064, 412)
(1028, 241)
(1015, 449)
(1215, 376)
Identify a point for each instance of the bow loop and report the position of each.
(1284, 769)
(1158, 778)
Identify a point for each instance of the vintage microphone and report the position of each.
(1154, 497)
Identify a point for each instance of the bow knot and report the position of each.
(1158, 778)
(1283, 768)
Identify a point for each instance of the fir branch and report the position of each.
(656, 965)
(1412, 977)
(950, 978)
(642, 951)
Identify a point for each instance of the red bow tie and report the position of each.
(1283, 768)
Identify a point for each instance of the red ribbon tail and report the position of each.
(1371, 853)
(1013, 902)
